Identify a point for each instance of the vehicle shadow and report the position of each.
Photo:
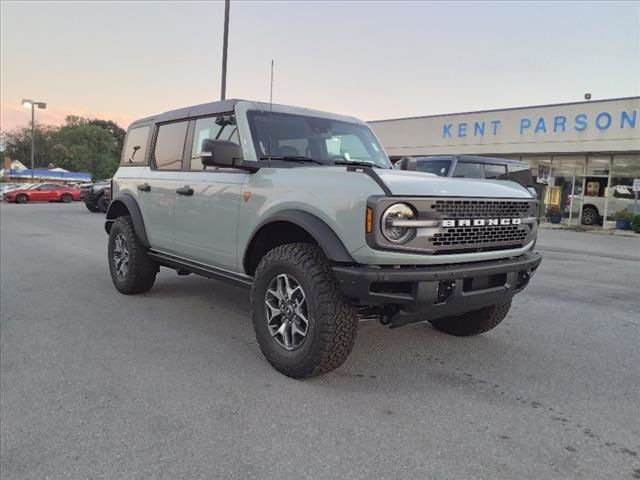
(414, 358)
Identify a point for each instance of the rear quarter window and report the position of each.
(135, 146)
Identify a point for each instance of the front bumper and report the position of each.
(92, 197)
(88, 196)
(428, 292)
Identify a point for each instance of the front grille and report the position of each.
(471, 236)
(478, 238)
(481, 208)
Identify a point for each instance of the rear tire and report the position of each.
(590, 216)
(66, 198)
(473, 323)
(22, 198)
(132, 271)
(296, 280)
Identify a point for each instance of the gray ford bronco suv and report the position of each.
(304, 208)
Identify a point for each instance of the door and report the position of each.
(44, 193)
(206, 212)
(157, 189)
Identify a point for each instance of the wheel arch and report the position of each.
(123, 205)
(591, 206)
(292, 226)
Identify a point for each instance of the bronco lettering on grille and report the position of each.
(481, 222)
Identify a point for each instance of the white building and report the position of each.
(580, 148)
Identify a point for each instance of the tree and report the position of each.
(18, 145)
(85, 147)
(81, 145)
(113, 128)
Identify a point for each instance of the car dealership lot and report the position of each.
(171, 384)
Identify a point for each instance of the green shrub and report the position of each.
(635, 223)
(623, 215)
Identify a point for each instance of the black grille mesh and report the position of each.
(481, 208)
(478, 236)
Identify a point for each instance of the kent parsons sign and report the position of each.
(596, 126)
(546, 124)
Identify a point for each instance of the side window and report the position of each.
(135, 147)
(210, 128)
(437, 167)
(495, 172)
(520, 174)
(170, 146)
(468, 170)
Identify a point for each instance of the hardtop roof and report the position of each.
(210, 108)
(213, 108)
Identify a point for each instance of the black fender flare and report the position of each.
(127, 203)
(322, 233)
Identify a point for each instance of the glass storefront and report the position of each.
(620, 193)
(587, 188)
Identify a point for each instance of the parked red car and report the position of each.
(45, 192)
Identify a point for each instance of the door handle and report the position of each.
(144, 187)
(186, 190)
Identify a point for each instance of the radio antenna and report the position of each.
(271, 93)
(270, 112)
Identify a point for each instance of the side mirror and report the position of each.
(220, 153)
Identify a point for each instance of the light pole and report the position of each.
(225, 44)
(27, 103)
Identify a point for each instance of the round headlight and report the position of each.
(395, 233)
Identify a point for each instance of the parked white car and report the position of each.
(621, 197)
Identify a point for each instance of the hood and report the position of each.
(410, 183)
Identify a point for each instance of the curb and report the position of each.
(597, 230)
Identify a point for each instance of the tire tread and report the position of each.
(335, 320)
(142, 270)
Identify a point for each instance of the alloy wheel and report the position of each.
(287, 312)
(121, 256)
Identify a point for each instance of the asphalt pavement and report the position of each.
(171, 384)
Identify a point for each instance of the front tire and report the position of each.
(303, 324)
(22, 198)
(132, 271)
(473, 323)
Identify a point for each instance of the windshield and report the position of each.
(437, 167)
(322, 139)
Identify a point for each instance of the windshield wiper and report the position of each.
(356, 164)
(291, 158)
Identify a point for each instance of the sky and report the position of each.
(370, 59)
